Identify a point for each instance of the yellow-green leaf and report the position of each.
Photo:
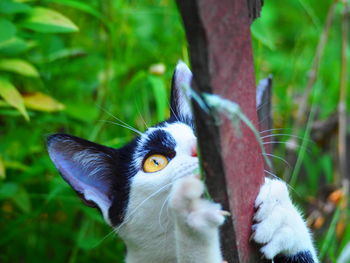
(41, 102)
(16, 165)
(2, 168)
(11, 95)
(45, 20)
(19, 66)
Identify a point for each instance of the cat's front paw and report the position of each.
(279, 226)
(190, 209)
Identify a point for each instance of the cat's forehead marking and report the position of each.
(180, 132)
(183, 135)
(176, 135)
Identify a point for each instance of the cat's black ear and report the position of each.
(179, 101)
(90, 168)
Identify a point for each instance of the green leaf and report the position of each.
(2, 169)
(45, 20)
(260, 32)
(41, 102)
(12, 97)
(16, 165)
(14, 46)
(3, 104)
(10, 7)
(82, 7)
(22, 200)
(81, 112)
(160, 96)
(19, 66)
(8, 30)
(66, 53)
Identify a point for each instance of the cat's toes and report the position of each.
(190, 209)
(277, 244)
(279, 227)
(264, 230)
(185, 193)
(206, 214)
(272, 192)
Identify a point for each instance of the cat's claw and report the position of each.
(279, 227)
(225, 213)
(191, 209)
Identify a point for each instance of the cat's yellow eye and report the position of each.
(155, 163)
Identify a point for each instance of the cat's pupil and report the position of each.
(155, 162)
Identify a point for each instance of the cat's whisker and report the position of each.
(279, 158)
(126, 127)
(105, 237)
(139, 205)
(122, 122)
(276, 177)
(272, 174)
(262, 105)
(173, 112)
(116, 230)
(275, 129)
(161, 211)
(286, 134)
(263, 119)
(143, 120)
(286, 143)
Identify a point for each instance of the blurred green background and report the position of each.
(70, 66)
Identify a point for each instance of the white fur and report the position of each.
(196, 223)
(155, 229)
(167, 221)
(280, 228)
(94, 162)
(183, 78)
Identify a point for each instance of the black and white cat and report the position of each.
(149, 193)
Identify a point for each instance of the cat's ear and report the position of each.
(88, 167)
(179, 101)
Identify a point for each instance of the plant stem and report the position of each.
(342, 118)
(302, 115)
(300, 119)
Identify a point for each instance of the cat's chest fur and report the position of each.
(149, 233)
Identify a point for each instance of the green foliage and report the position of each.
(71, 65)
(45, 20)
(73, 81)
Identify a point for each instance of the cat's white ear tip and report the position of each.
(180, 62)
(181, 67)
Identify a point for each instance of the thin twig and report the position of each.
(342, 134)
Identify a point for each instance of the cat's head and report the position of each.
(106, 178)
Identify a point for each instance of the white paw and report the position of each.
(279, 226)
(190, 209)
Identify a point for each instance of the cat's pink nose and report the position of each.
(194, 151)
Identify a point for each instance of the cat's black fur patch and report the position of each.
(160, 141)
(121, 189)
(302, 257)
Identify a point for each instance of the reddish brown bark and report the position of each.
(221, 57)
